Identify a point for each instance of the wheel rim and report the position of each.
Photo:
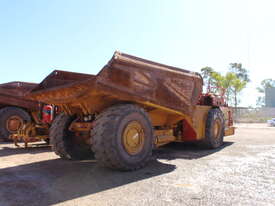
(14, 123)
(133, 138)
(217, 129)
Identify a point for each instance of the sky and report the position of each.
(37, 37)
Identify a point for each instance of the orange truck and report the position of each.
(129, 108)
(18, 112)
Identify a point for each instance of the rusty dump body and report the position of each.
(13, 94)
(168, 94)
(125, 78)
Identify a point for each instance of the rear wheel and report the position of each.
(11, 120)
(65, 143)
(123, 137)
(214, 130)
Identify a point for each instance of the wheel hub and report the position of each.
(14, 123)
(133, 138)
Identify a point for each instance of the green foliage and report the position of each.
(241, 72)
(206, 72)
(207, 75)
(231, 84)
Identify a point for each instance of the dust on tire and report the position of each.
(107, 140)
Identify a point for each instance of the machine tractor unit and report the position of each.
(22, 118)
(129, 108)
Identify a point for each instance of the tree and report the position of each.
(237, 86)
(217, 81)
(240, 81)
(232, 83)
(212, 79)
(224, 84)
(207, 75)
(241, 72)
(206, 72)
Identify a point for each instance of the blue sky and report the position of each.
(37, 37)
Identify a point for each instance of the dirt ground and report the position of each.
(242, 172)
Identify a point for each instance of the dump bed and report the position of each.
(59, 79)
(13, 94)
(125, 78)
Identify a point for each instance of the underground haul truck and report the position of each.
(129, 108)
(22, 118)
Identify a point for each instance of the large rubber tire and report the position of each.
(110, 151)
(62, 140)
(214, 139)
(5, 114)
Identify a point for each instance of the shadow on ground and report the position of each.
(186, 151)
(56, 181)
(33, 149)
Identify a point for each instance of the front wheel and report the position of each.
(123, 137)
(214, 129)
